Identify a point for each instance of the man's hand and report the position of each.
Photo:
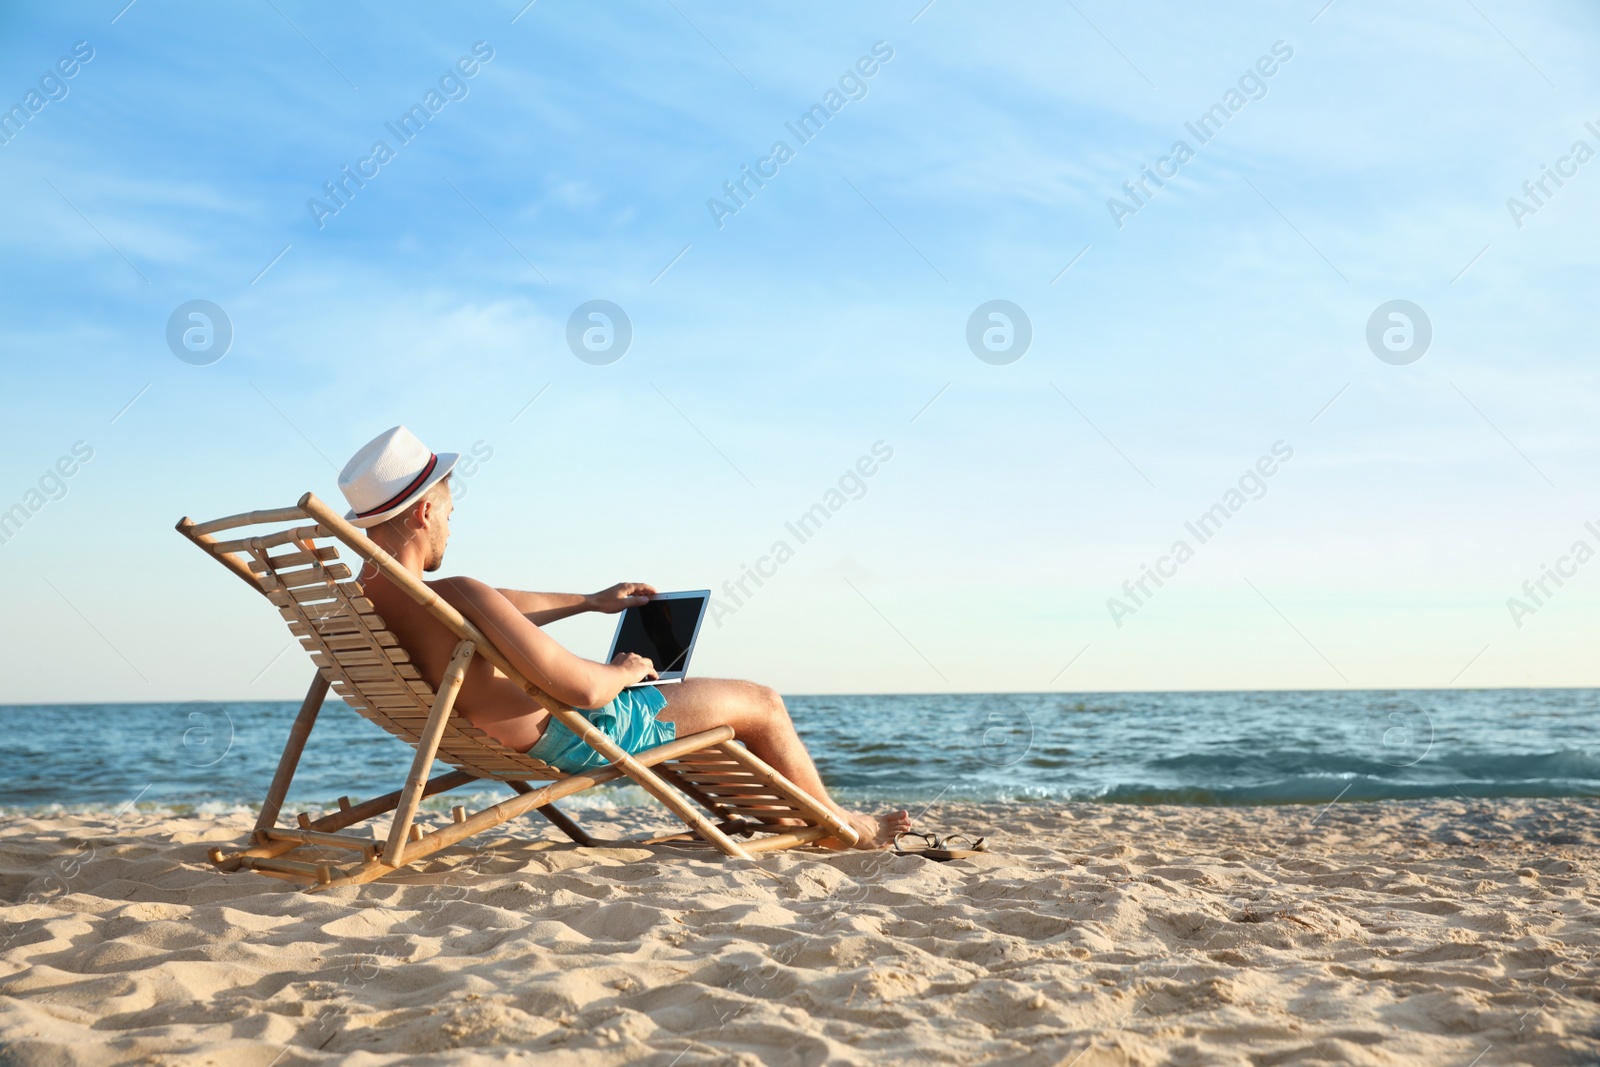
(619, 597)
(637, 667)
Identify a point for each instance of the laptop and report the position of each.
(664, 632)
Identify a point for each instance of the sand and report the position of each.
(1433, 932)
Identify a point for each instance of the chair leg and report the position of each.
(427, 747)
(290, 759)
(339, 820)
(566, 825)
(489, 817)
(558, 817)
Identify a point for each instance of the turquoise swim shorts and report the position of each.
(629, 720)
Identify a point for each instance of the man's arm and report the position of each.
(535, 654)
(542, 608)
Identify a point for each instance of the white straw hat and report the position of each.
(390, 473)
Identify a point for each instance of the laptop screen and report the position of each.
(662, 631)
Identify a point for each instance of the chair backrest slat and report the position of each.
(249, 518)
(309, 575)
(296, 559)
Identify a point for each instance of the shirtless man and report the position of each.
(399, 493)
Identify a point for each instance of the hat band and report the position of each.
(394, 501)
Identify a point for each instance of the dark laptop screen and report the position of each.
(661, 631)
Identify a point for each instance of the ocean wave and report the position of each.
(1558, 763)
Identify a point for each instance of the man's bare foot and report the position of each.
(876, 831)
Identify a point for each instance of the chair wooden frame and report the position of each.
(292, 559)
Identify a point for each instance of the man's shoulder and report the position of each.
(456, 581)
(462, 587)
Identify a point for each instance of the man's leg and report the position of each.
(760, 720)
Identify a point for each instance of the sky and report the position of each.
(1233, 315)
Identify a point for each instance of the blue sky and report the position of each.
(829, 313)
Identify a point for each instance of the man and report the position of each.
(399, 493)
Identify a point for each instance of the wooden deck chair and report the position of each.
(291, 556)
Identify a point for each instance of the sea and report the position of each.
(908, 750)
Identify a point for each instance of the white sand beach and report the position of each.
(1437, 932)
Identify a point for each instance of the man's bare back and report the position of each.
(490, 701)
